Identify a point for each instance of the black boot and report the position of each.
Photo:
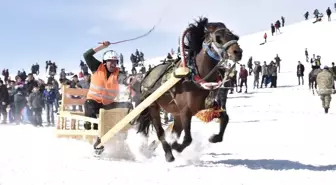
(98, 150)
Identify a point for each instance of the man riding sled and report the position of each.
(105, 80)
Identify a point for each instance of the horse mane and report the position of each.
(197, 34)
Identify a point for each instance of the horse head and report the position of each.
(222, 41)
(217, 42)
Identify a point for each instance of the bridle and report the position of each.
(216, 51)
(220, 49)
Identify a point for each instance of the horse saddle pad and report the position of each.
(154, 75)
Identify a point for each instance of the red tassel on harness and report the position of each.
(208, 115)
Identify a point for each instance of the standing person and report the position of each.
(277, 26)
(277, 61)
(273, 73)
(250, 65)
(283, 21)
(272, 29)
(4, 101)
(306, 15)
(50, 97)
(243, 74)
(265, 74)
(328, 13)
(36, 104)
(265, 37)
(325, 83)
(300, 73)
(256, 71)
(307, 55)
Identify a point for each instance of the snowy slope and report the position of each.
(275, 136)
(291, 43)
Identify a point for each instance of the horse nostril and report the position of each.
(236, 52)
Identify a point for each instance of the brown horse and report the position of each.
(208, 44)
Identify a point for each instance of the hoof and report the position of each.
(176, 146)
(169, 157)
(215, 138)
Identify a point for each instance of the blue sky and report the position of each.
(61, 30)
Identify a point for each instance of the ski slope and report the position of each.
(275, 136)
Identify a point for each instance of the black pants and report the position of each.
(92, 107)
(37, 116)
(274, 81)
(243, 81)
(233, 84)
(3, 111)
(300, 79)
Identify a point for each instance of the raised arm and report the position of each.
(90, 60)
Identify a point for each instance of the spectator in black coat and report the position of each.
(4, 101)
(30, 83)
(300, 72)
(272, 29)
(328, 13)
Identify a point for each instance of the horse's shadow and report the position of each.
(268, 164)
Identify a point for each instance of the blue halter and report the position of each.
(211, 53)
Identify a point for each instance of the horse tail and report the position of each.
(144, 120)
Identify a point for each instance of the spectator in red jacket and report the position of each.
(243, 74)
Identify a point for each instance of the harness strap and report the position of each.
(210, 53)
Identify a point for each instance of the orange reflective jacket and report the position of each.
(103, 90)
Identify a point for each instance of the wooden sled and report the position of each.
(70, 123)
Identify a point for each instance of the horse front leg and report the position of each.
(185, 119)
(224, 117)
(224, 120)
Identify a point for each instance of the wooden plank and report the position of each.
(138, 109)
(75, 92)
(72, 101)
(67, 115)
(76, 132)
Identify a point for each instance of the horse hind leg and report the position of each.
(160, 132)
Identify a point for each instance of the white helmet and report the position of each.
(110, 55)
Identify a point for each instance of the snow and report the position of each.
(275, 136)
